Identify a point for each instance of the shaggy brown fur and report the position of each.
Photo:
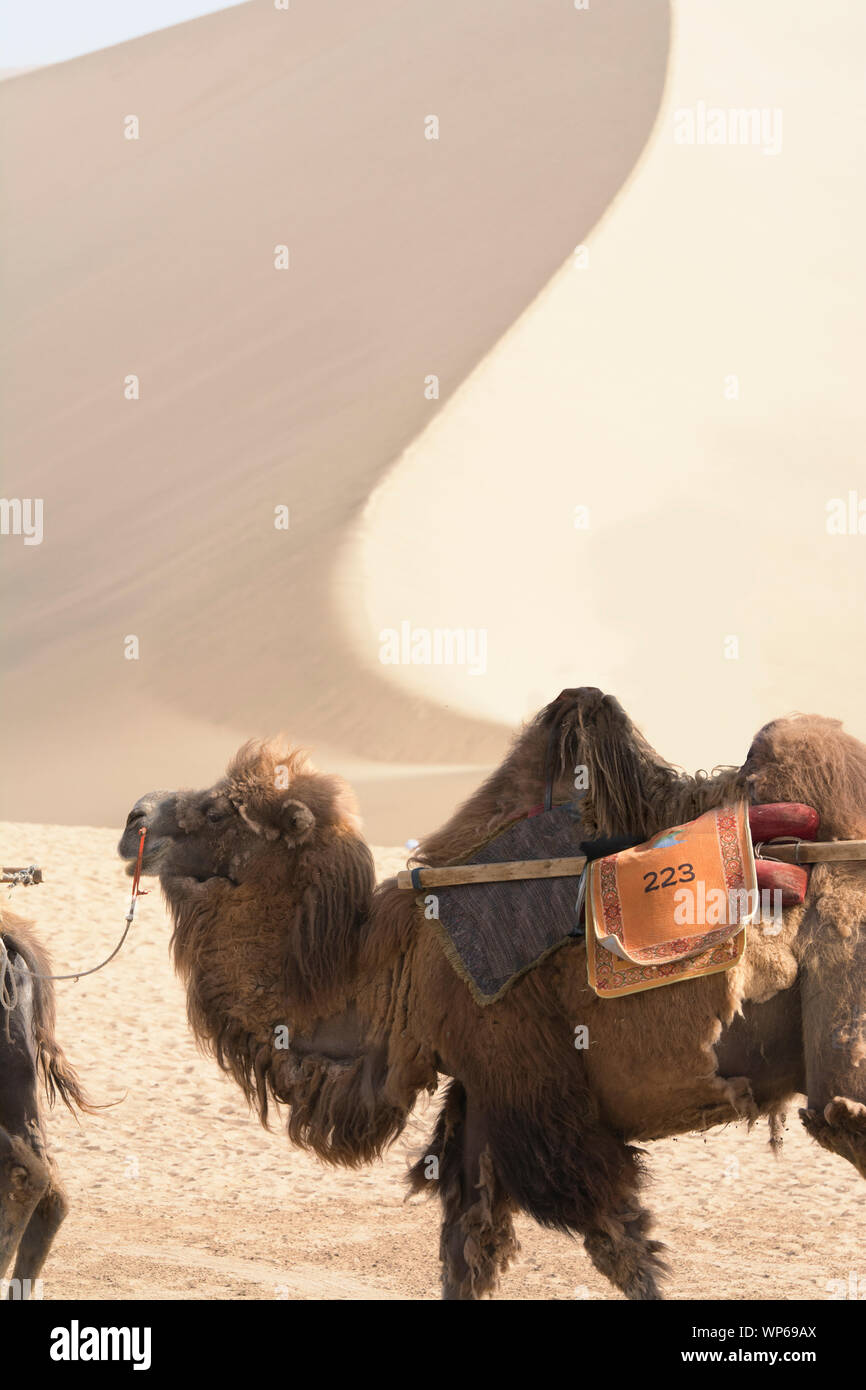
(32, 1202)
(277, 923)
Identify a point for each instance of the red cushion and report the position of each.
(791, 879)
(777, 819)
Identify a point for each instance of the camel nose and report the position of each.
(143, 811)
(154, 812)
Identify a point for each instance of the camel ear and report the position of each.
(297, 821)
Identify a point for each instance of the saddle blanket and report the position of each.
(673, 908)
(493, 933)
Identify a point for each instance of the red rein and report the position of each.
(136, 878)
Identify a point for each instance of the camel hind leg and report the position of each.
(477, 1241)
(24, 1181)
(38, 1237)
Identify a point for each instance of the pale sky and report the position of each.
(34, 32)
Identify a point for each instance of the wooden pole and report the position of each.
(816, 851)
(509, 871)
(512, 870)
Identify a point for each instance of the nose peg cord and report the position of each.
(137, 893)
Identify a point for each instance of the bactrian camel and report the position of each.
(280, 931)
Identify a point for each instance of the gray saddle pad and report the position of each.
(494, 932)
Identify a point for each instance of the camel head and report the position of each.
(268, 882)
(270, 801)
(809, 758)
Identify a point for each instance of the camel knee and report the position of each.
(24, 1176)
(841, 1128)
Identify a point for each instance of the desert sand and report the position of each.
(177, 1192)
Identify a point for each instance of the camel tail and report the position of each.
(59, 1077)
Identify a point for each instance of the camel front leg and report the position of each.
(477, 1240)
(834, 1025)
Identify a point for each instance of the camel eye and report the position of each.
(214, 814)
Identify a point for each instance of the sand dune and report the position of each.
(177, 1192)
(707, 510)
(260, 387)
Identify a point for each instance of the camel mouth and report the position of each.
(199, 880)
(155, 864)
(150, 863)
